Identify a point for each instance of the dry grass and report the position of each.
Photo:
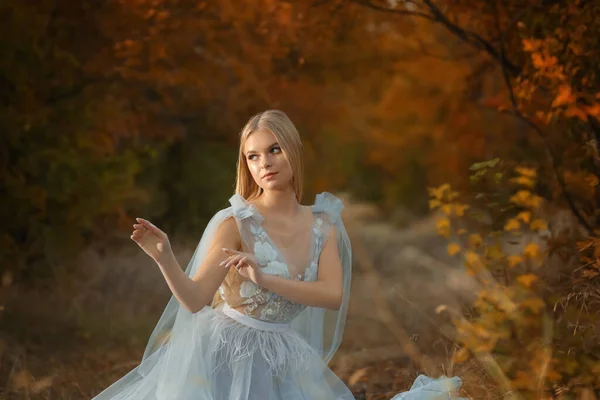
(72, 339)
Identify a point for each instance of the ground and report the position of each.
(72, 338)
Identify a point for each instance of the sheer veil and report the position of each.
(324, 329)
(171, 337)
(167, 355)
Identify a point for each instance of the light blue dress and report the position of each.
(256, 345)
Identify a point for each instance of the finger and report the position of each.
(231, 251)
(138, 226)
(149, 225)
(225, 261)
(241, 263)
(233, 261)
(138, 233)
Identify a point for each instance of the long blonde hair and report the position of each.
(278, 123)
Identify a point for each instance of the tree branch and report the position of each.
(438, 16)
(471, 38)
(368, 4)
(515, 111)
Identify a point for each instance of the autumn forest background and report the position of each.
(463, 135)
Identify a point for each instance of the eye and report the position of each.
(252, 157)
(276, 149)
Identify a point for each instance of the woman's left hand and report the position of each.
(245, 264)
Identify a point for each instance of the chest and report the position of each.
(286, 249)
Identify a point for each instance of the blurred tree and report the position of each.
(119, 108)
(67, 157)
(531, 60)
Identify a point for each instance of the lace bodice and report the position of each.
(298, 260)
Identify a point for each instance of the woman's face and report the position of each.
(266, 161)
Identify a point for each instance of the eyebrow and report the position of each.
(251, 151)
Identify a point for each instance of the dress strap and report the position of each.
(242, 209)
(330, 205)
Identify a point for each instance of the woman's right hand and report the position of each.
(152, 240)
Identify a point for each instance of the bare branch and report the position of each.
(471, 38)
(515, 111)
(368, 4)
(438, 16)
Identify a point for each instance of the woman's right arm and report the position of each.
(197, 292)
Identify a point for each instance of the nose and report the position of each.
(266, 161)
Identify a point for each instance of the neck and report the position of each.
(281, 202)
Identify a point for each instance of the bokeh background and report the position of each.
(462, 135)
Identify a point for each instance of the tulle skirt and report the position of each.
(232, 357)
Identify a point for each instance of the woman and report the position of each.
(248, 317)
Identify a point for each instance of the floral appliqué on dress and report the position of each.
(256, 301)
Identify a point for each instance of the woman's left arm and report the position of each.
(326, 292)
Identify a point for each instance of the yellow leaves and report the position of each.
(434, 203)
(574, 111)
(443, 192)
(513, 261)
(530, 45)
(453, 248)
(544, 117)
(446, 209)
(512, 225)
(473, 262)
(543, 61)
(524, 216)
(481, 331)
(521, 197)
(494, 253)
(442, 198)
(461, 355)
(538, 225)
(526, 199)
(523, 181)
(593, 110)
(527, 279)
(454, 209)
(526, 172)
(532, 250)
(443, 226)
(439, 192)
(526, 177)
(535, 202)
(459, 209)
(533, 303)
(471, 257)
(475, 240)
(564, 97)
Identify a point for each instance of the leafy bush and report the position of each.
(534, 323)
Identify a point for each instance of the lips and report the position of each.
(269, 174)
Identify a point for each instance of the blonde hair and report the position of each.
(278, 123)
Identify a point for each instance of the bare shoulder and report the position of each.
(227, 234)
